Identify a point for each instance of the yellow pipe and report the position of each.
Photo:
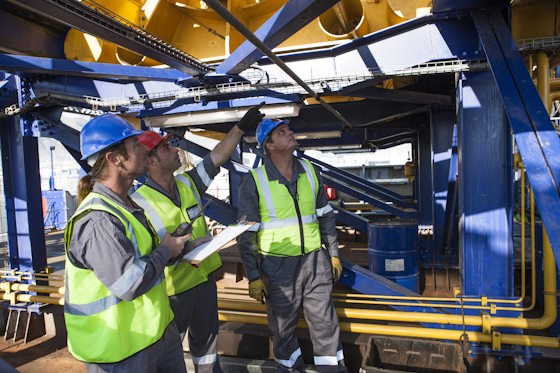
(533, 261)
(543, 79)
(244, 291)
(554, 84)
(338, 297)
(6, 286)
(522, 295)
(369, 314)
(407, 331)
(32, 298)
(543, 322)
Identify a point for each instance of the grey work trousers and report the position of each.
(165, 355)
(196, 310)
(296, 282)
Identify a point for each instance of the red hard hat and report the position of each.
(151, 139)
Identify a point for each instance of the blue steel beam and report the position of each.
(91, 70)
(367, 186)
(115, 29)
(351, 219)
(59, 131)
(412, 43)
(22, 187)
(449, 224)
(288, 20)
(534, 134)
(366, 282)
(485, 189)
(179, 108)
(406, 213)
(231, 165)
(397, 95)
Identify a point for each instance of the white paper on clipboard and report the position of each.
(203, 251)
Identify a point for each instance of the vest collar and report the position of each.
(273, 173)
(152, 184)
(107, 192)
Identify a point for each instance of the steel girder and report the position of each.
(22, 186)
(284, 23)
(535, 136)
(411, 43)
(90, 70)
(116, 29)
(485, 189)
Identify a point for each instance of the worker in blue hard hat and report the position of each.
(171, 200)
(116, 307)
(292, 268)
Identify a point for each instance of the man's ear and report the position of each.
(113, 158)
(152, 161)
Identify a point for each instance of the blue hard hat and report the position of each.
(102, 132)
(265, 128)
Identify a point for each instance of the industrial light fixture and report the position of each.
(306, 136)
(347, 148)
(197, 118)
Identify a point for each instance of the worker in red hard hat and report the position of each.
(170, 200)
(292, 270)
(116, 307)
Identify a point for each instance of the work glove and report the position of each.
(257, 290)
(251, 119)
(336, 268)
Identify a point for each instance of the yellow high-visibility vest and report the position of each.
(288, 227)
(166, 217)
(102, 328)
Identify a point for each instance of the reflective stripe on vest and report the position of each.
(122, 285)
(95, 315)
(166, 217)
(279, 233)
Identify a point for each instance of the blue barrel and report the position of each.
(393, 251)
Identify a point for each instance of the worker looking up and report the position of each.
(172, 200)
(116, 307)
(287, 198)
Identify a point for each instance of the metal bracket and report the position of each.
(496, 341)
(486, 324)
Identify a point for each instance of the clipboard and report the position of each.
(217, 243)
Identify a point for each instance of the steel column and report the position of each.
(535, 136)
(485, 189)
(423, 186)
(22, 188)
(444, 162)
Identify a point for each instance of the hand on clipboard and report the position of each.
(186, 228)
